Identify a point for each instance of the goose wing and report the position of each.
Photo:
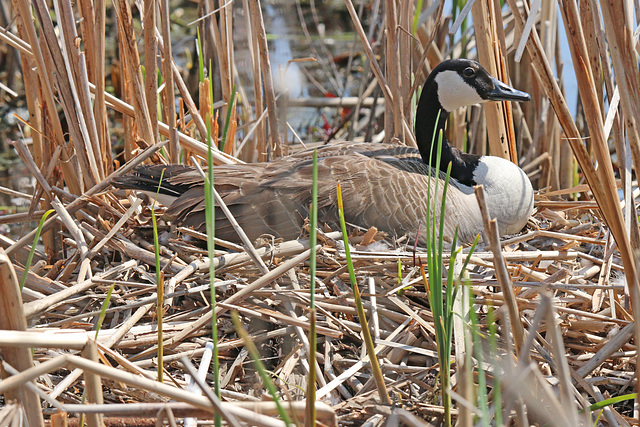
(383, 186)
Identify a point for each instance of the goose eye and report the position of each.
(469, 72)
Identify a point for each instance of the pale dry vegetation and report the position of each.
(553, 308)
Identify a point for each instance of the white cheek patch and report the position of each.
(454, 92)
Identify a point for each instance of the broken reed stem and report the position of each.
(13, 318)
(491, 230)
(93, 384)
(150, 66)
(275, 149)
(601, 181)
(45, 97)
(484, 21)
(131, 61)
(167, 75)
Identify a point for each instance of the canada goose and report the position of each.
(383, 185)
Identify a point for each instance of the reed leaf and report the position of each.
(310, 419)
(262, 371)
(27, 266)
(159, 282)
(366, 333)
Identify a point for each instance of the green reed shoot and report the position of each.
(368, 340)
(159, 281)
(616, 399)
(210, 215)
(493, 349)
(262, 371)
(483, 404)
(103, 310)
(27, 266)
(310, 419)
(441, 294)
(416, 17)
(225, 131)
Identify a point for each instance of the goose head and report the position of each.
(452, 84)
(457, 83)
(461, 82)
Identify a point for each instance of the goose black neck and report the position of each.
(427, 128)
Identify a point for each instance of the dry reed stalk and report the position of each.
(221, 46)
(27, 339)
(630, 80)
(192, 144)
(209, 394)
(256, 150)
(35, 307)
(44, 90)
(491, 231)
(488, 27)
(169, 391)
(78, 202)
(375, 66)
(99, 106)
(560, 357)
(462, 336)
(90, 28)
(62, 63)
(393, 113)
(148, 11)
(76, 66)
(404, 56)
(42, 146)
(622, 43)
(601, 181)
(186, 97)
(131, 64)
(93, 384)
(275, 148)
(235, 298)
(16, 380)
(169, 92)
(425, 46)
(123, 82)
(324, 56)
(13, 319)
(108, 343)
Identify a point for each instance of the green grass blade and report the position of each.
(416, 17)
(493, 348)
(310, 419)
(368, 340)
(159, 281)
(210, 227)
(255, 356)
(200, 56)
(225, 131)
(482, 392)
(612, 400)
(103, 310)
(27, 266)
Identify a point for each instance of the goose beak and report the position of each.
(502, 92)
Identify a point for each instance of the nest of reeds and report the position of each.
(106, 327)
